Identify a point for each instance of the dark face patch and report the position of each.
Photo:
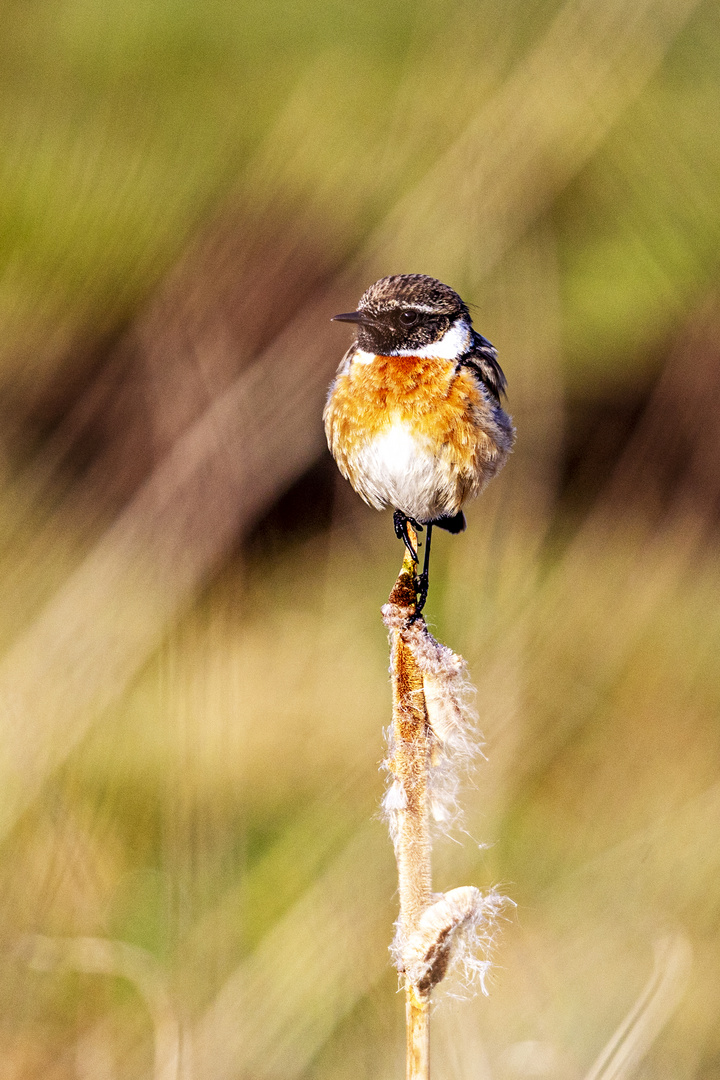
(407, 311)
(401, 328)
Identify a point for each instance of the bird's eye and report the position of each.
(409, 318)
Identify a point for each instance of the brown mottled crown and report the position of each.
(406, 312)
(416, 291)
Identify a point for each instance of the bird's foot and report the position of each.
(421, 589)
(401, 522)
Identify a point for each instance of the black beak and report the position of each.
(351, 316)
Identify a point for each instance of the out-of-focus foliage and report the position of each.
(193, 681)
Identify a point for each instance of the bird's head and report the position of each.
(413, 315)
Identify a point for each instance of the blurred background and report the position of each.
(194, 882)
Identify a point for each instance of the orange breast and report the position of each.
(437, 403)
(415, 433)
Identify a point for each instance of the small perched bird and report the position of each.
(413, 418)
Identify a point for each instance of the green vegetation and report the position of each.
(186, 194)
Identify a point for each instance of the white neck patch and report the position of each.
(454, 343)
(362, 357)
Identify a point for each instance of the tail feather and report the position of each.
(455, 524)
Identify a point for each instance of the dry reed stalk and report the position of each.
(409, 764)
(430, 721)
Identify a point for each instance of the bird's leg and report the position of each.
(401, 522)
(423, 580)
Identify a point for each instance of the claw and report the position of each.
(401, 522)
(421, 587)
(422, 581)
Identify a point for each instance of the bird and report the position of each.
(414, 416)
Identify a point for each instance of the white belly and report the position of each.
(398, 469)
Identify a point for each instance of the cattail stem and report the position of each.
(412, 743)
(417, 1021)
(430, 738)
